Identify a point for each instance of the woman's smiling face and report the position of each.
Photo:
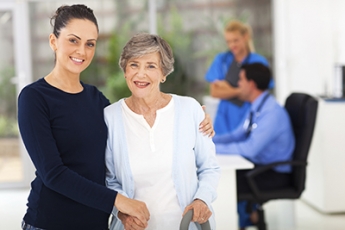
(143, 75)
(75, 46)
(236, 42)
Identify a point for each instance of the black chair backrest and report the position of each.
(302, 109)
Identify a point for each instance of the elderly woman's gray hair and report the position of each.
(142, 44)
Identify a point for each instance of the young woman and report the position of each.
(62, 126)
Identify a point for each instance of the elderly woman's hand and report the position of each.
(206, 125)
(201, 211)
(133, 208)
(130, 222)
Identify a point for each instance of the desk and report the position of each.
(225, 206)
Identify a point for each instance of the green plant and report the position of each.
(95, 73)
(116, 87)
(8, 123)
(8, 127)
(172, 30)
(7, 92)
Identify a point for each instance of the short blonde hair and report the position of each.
(144, 43)
(243, 29)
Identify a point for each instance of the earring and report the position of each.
(163, 80)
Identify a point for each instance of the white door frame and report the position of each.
(23, 72)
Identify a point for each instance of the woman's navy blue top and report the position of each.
(65, 136)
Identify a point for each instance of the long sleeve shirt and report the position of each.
(65, 136)
(229, 115)
(195, 170)
(271, 138)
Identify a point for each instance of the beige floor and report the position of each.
(10, 169)
(10, 161)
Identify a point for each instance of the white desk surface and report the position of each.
(227, 161)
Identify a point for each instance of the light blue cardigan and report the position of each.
(195, 168)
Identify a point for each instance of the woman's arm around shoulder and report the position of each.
(208, 170)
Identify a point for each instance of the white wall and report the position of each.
(309, 38)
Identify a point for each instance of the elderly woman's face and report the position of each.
(143, 75)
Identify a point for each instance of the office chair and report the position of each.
(302, 109)
(186, 221)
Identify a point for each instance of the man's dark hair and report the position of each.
(259, 73)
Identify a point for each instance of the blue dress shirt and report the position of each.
(271, 138)
(229, 115)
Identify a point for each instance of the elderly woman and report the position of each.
(155, 152)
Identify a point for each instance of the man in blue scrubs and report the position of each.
(265, 136)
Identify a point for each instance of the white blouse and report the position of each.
(150, 157)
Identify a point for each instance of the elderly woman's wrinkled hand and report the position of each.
(201, 212)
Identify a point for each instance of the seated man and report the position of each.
(266, 135)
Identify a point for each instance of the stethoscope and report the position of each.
(248, 125)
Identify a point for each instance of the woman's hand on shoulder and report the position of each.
(206, 126)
